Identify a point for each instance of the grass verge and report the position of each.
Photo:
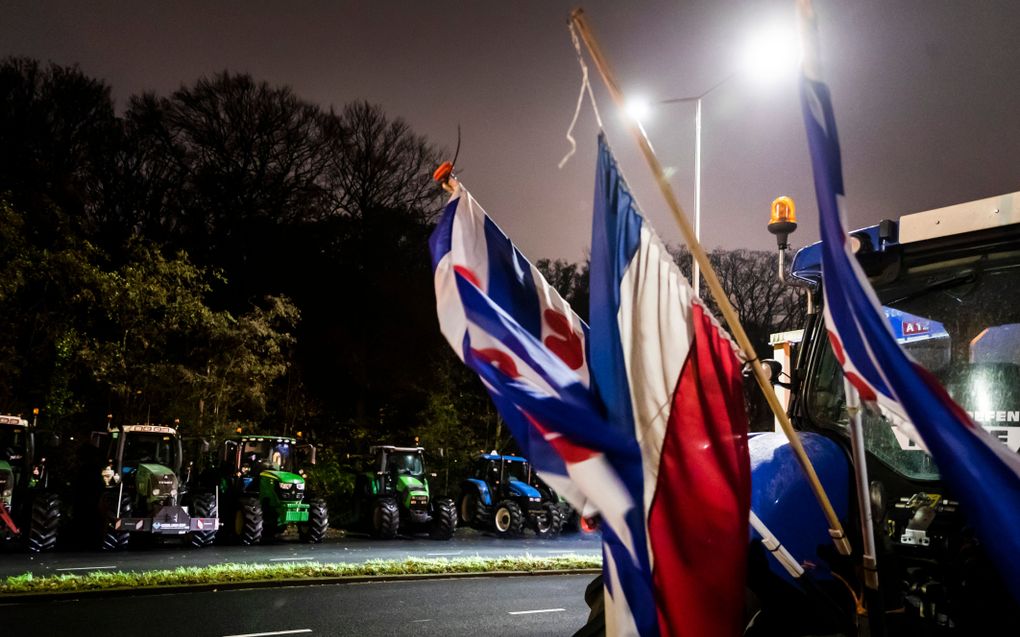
(240, 573)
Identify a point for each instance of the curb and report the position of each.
(176, 589)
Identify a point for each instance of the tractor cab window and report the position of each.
(149, 448)
(406, 463)
(12, 443)
(960, 325)
(266, 455)
(516, 470)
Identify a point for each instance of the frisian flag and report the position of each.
(978, 468)
(669, 566)
(515, 331)
(670, 378)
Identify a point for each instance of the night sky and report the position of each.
(926, 94)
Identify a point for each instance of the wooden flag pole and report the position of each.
(579, 22)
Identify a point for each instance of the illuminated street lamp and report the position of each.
(767, 57)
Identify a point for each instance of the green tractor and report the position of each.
(141, 491)
(394, 496)
(264, 491)
(29, 510)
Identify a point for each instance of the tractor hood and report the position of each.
(286, 477)
(156, 481)
(523, 490)
(412, 485)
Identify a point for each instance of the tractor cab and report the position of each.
(27, 509)
(263, 479)
(143, 491)
(394, 496)
(15, 452)
(504, 494)
(947, 283)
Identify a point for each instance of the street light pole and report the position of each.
(697, 99)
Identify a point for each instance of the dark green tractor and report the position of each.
(393, 496)
(29, 510)
(264, 489)
(141, 491)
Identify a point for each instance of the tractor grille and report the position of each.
(419, 501)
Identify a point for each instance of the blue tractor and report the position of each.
(947, 280)
(503, 494)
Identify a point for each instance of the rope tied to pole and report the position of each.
(585, 87)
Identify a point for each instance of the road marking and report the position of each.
(289, 559)
(278, 632)
(532, 612)
(85, 568)
(418, 621)
(446, 553)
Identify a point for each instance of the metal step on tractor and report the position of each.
(393, 496)
(264, 489)
(138, 489)
(29, 509)
(503, 494)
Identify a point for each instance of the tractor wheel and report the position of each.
(571, 518)
(472, 511)
(550, 523)
(271, 527)
(42, 533)
(203, 505)
(112, 538)
(314, 531)
(385, 518)
(508, 519)
(248, 521)
(444, 519)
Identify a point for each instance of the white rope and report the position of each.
(585, 86)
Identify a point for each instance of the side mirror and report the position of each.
(773, 369)
(96, 438)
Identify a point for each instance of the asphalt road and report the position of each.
(522, 605)
(351, 548)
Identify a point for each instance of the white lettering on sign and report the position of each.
(915, 327)
(995, 416)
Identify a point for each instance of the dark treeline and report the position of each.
(231, 255)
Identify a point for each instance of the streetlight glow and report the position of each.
(638, 108)
(772, 54)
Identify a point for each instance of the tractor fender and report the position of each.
(523, 490)
(782, 498)
(483, 490)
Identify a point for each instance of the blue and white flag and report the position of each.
(976, 466)
(508, 325)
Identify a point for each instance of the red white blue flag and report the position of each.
(670, 379)
(976, 466)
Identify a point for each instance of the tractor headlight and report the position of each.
(300, 486)
(535, 499)
(155, 491)
(285, 486)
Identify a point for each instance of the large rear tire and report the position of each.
(472, 511)
(112, 538)
(248, 521)
(385, 518)
(203, 505)
(508, 519)
(42, 532)
(314, 531)
(444, 519)
(550, 523)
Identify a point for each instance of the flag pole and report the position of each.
(578, 21)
